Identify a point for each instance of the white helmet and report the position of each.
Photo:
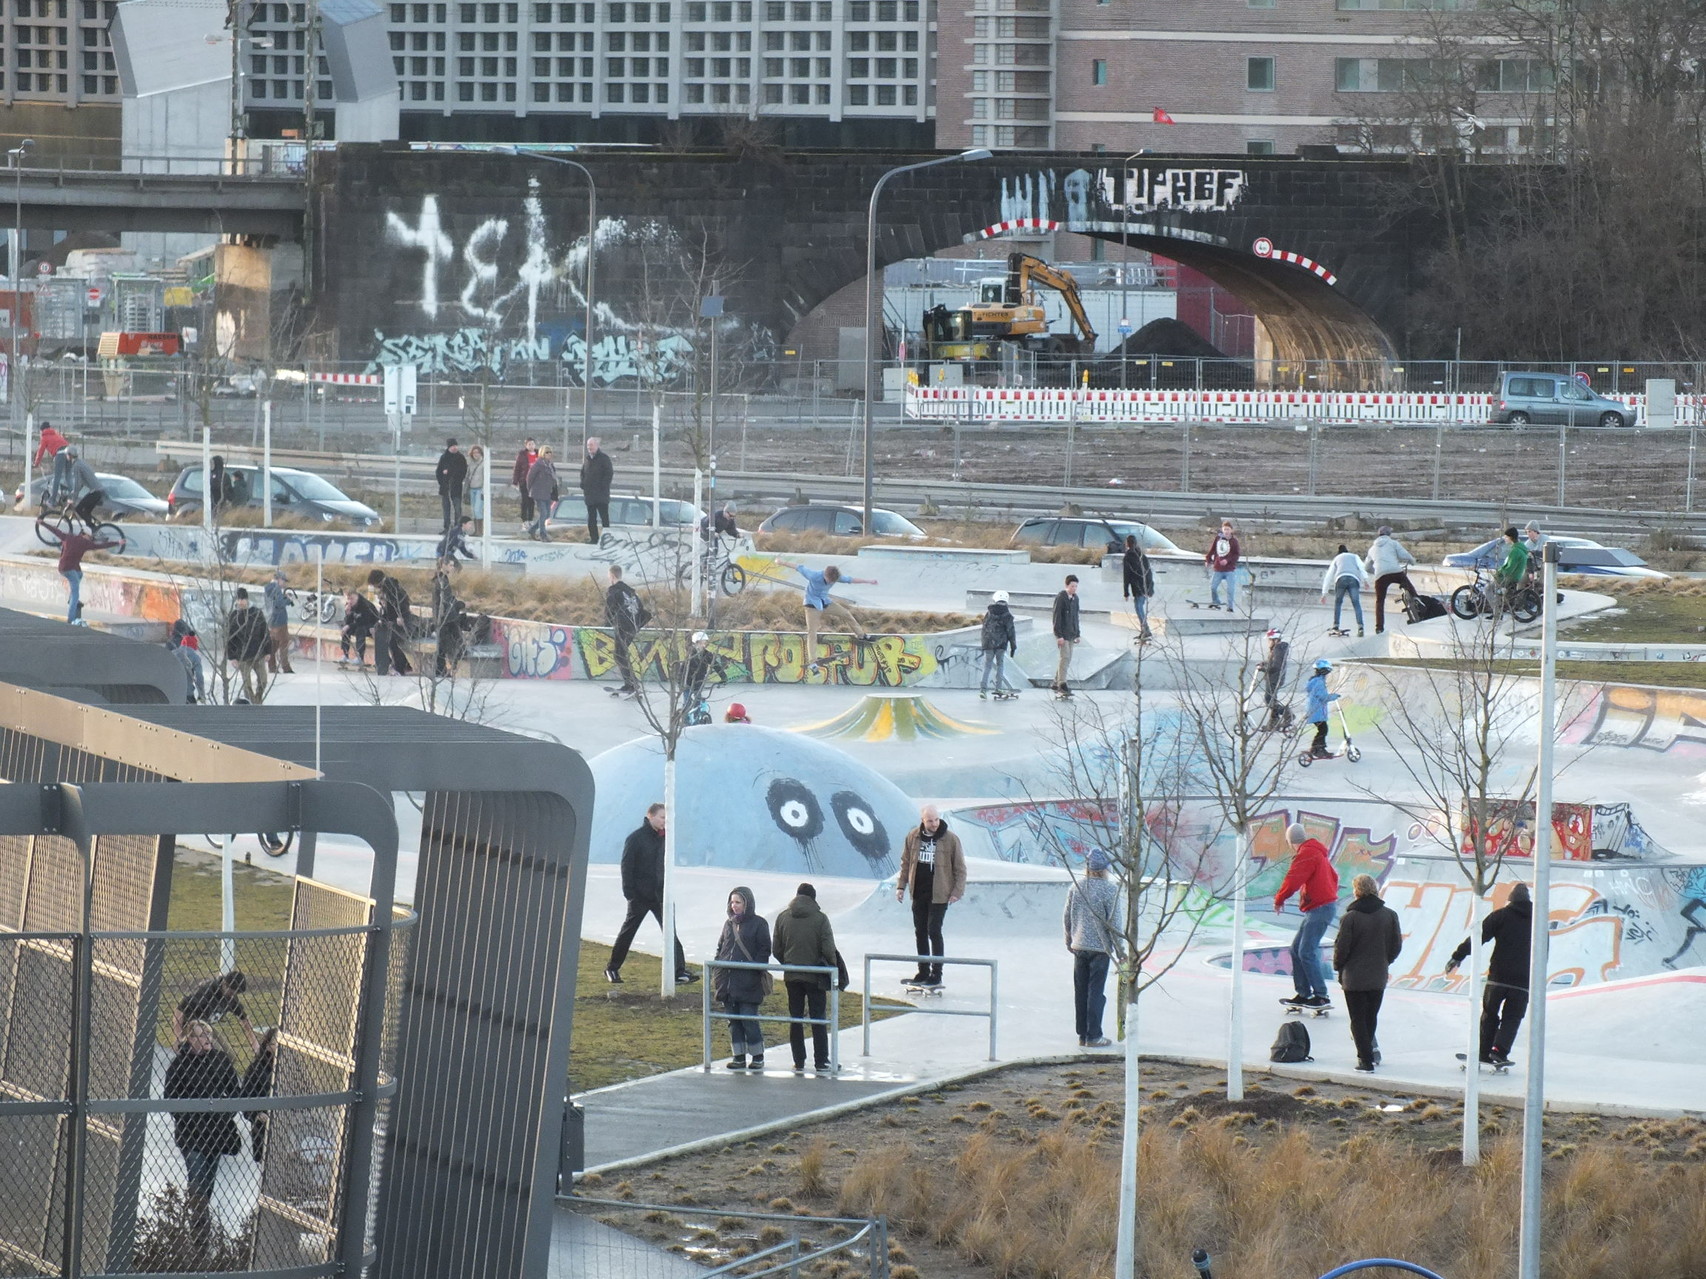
(699, 637)
(1274, 633)
(1000, 597)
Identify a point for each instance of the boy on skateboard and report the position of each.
(1505, 999)
(1313, 878)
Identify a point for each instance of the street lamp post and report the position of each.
(872, 338)
(591, 256)
(14, 371)
(1125, 263)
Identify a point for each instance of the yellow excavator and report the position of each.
(1007, 310)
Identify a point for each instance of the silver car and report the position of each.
(1554, 399)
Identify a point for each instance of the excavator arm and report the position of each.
(1022, 269)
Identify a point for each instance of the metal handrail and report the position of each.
(990, 964)
(832, 1022)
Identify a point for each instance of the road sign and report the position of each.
(94, 295)
(1263, 247)
(400, 389)
(1125, 326)
(44, 267)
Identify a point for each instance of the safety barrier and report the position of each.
(1047, 404)
(832, 1022)
(937, 960)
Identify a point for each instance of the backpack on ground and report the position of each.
(1419, 607)
(1291, 1044)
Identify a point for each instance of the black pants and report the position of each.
(1502, 1009)
(359, 634)
(452, 504)
(624, 642)
(596, 511)
(86, 507)
(1399, 579)
(388, 652)
(808, 1001)
(927, 933)
(1364, 1009)
(1319, 745)
(526, 507)
(637, 912)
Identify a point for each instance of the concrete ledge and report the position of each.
(1029, 601)
(945, 554)
(1203, 621)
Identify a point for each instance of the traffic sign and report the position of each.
(94, 295)
(1263, 247)
(44, 267)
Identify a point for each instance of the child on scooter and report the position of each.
(1316, 713)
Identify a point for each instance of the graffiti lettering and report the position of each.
(1654, 719)
(428, 236)
(1182, 190)
(467, 351)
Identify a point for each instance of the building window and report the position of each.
(1260, 4)
(1098, 72)
(614, 92)
(1259, 74)
(858, 95)
(1259, 146)
(695, 93)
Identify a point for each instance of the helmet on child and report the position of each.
(699, 637)
(1274, 633)
(1323, 664)
(1000, 597)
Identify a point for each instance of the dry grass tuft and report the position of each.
(814, 1181)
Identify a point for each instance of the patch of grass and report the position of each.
(1657, 674)
(1649, 612)
(629, 1031)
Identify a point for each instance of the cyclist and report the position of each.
(719, 524)
(83, 482)
(1509, 576)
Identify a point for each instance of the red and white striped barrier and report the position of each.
(1017, 224)
(350, 379)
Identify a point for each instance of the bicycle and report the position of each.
(64, 520)
(1485, 596)
(324, 607)
(717, 570)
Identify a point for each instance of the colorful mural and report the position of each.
(1655, 719)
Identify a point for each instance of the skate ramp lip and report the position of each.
(996, 904)
(881, 717)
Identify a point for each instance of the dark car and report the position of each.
(1575, 555)
(840, 521)
(302, 494)
(1092, 531)
(125, 499)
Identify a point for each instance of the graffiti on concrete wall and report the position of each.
(1080, 196)
(1656, 719)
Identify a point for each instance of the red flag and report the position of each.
(1161, 117)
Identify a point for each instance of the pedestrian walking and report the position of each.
(933, 869)
(802, 937)
(396, 621)
(1273, 682)
(202, 1070)
(1066, 634)
(1505, 998)
(1386, 559)
(73, 546)
(524, 460)
(1138, 578)
(1092, 907)
(477, 482)
(1369, 940)
(745, 939)
(1222, 561)
(277, 606)
(542, 489)
(452, 476)
(999, 639)
(1315, 710)
(1312, 877)
(818, 602)
(642, 886)
(185, 645)
(246, 645)
(1344, 579)
(625, 613)
(596, 475)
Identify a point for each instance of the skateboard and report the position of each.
(1208, 604)
(1463, 1064)
(1300, 1009)
(1340, 632)
(913, 988)
(1007, 695)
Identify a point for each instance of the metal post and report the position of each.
(866, 1015)
(694, 603)
(657, 472)
(705, 1003)
(1563, 434)
(15, 370)
(208, 496)
(994, 972)
(1439, 455)
(834, 1026)
(1534, 1098)
(1071, 434)
(73, 826)
(591, 260)
(266, 464)
(1688, 483)
(1185, 465)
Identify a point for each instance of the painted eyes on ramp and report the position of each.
(794, 809)
(860, 825)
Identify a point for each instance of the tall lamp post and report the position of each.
(591, 257)
(873, 340)
(1125, 262)
(14, 371)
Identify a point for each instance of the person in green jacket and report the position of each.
(802, 935)
(1510, 574)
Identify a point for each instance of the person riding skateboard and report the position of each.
(934, 868)
(1312, 877)
(1505, 999)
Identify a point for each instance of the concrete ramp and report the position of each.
(881, 717)
(1001, 901)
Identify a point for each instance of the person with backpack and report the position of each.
(185, 645)
(802, 937)
(1092, 906)
(1344, 579)
(745, 939)
(999, 639)
(1369, 940)
(1386, 559)
(625, 613)
(277, 604)
(396, 615)
(1312, 877)
(1139, 584)
(1505, 999)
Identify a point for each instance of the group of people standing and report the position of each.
(534, 477)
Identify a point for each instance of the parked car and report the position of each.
(1575, 555)
(841, 521)
(125, 498)
(1554, 399)
(630, 508)
(1092, 531)
(301, 494)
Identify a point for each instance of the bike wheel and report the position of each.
(274, 844)
(329, 609)
(733, 579)
(110, 532)
(1466, 603)
(1526, 606)
(59, 523)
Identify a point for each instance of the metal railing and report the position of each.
(938, 961)
(831, 1022)
(865, 1241)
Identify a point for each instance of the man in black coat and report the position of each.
(624, 613)
(246, 645)
(452, 476)
(642, 885)
(1505, 998)
(1066, 633)
(596, 474)
(1369, 940)
(391, 637)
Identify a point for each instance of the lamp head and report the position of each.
(26, 145)
(977, 153)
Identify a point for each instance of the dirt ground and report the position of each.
(818, 1169)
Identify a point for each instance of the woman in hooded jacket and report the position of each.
(745, 940)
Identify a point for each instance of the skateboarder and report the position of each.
(818, 603)
(625, 613)
(1066, 634)
(1312, 877)
(1369, 940)
(1505, 999)
(1138, 578)
(1386, 559)
(1222, 562)
(934, 868)
(999, 640)
(1344, 580)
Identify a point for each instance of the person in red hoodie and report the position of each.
(1316, 883)
(51, 442)
(1222, 561)
(72, 548)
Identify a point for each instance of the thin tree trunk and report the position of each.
(1125, 1246)
(1472, 1062)
(1235, 1022)
(666, 986)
